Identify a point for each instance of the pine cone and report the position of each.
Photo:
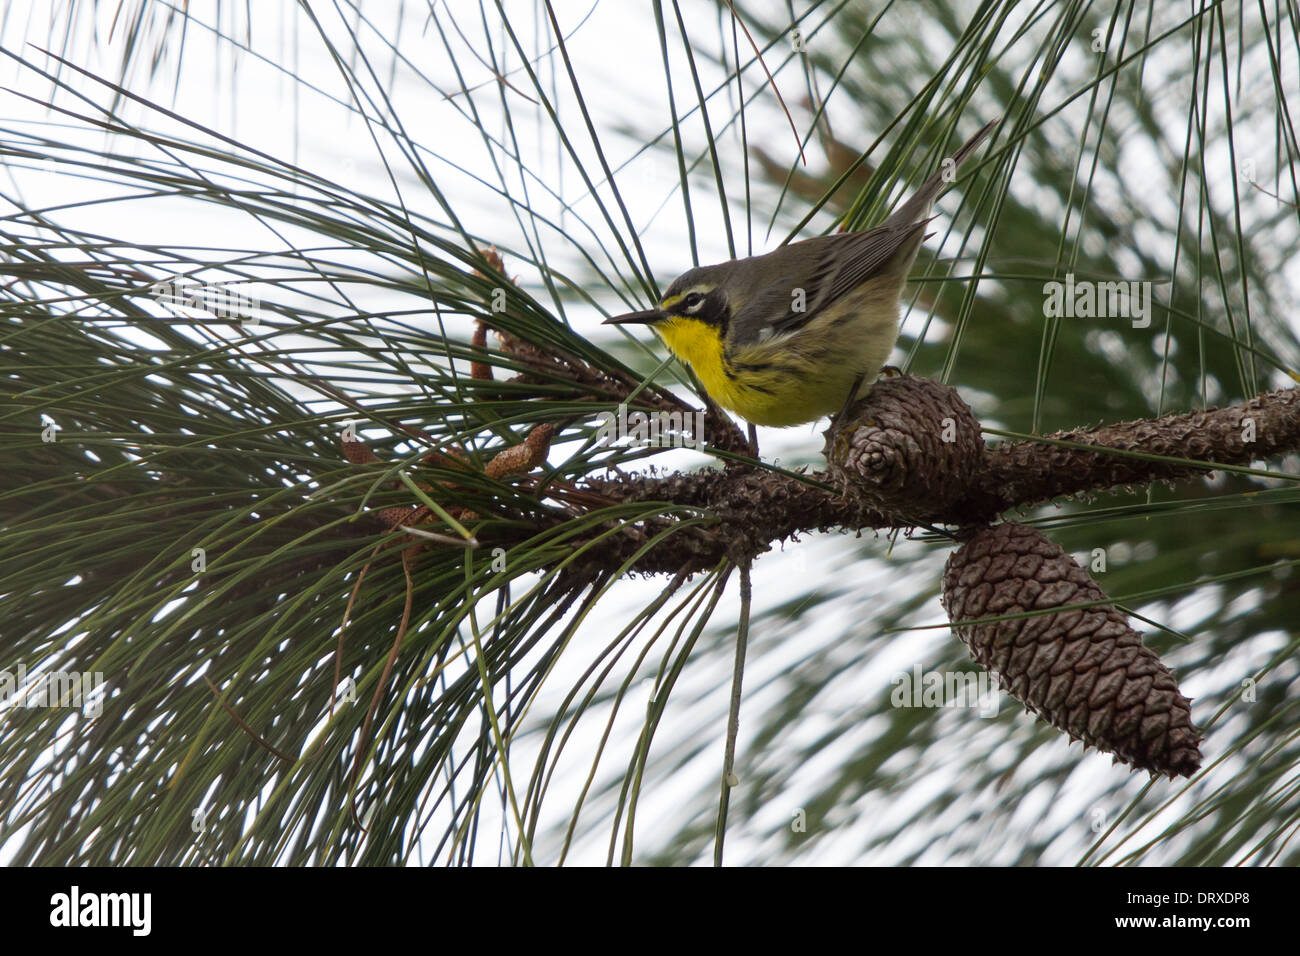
(1084, 671)
(912, 445)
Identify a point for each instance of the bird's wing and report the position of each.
(844, 262)
(785, 306)
(874, 252)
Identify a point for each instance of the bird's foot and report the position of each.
(853, 397)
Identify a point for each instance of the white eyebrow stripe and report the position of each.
(669, 301)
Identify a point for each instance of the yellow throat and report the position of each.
(767, 394)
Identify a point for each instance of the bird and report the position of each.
(799, 333)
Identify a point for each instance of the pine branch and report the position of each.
(889, 448)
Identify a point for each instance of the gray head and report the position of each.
(741, 297)
(705, 293)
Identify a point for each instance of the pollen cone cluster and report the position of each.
(911, 445)
(1084, 671)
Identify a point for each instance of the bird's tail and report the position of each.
(919, 205)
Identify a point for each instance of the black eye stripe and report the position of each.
(704, 307)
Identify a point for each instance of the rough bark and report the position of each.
(893, 452)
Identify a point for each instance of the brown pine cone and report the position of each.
(912, 445)
(1084, 671)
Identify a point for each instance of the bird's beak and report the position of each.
(645, 317)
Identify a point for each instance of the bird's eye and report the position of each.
(693, 302)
